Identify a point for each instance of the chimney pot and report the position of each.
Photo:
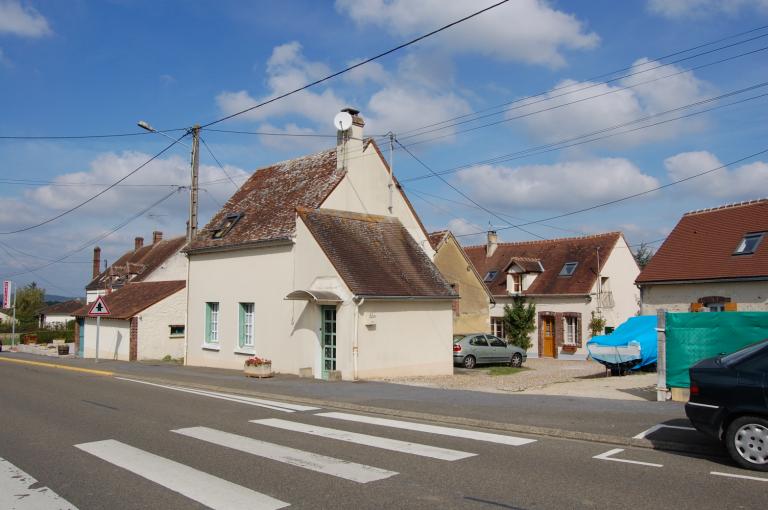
(138, 243)
(492, 244)
(96, 262)
(157, 236)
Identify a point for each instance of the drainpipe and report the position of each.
(358, 303)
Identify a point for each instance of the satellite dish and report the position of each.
(342, 121)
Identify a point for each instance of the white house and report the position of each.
(6, 316)
(568, 280)
(58, 315)
(321, 265)
(714, 260)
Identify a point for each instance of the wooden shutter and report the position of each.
(207, 335)
(731, 307)
(696, 307)
(578, 330)
(241, 322)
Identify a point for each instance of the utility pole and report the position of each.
(193, 190)
(391, 184)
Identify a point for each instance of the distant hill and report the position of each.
(54, 298)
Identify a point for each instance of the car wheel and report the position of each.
(517, 360)
(469, 361)
(747, 442)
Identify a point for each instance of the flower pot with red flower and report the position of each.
(258, 367)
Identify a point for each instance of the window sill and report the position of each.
(245, 351)
(211, 347)
(175, 336)
(569, 348)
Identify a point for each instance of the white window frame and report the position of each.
(249, 310)
(571, 330)
(212, 325)
(497, 327)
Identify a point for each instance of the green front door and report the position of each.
(328, 338)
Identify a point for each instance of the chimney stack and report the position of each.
(157, 236)
(492, 244)
(96, 262)
(138, 243)
(349, 143)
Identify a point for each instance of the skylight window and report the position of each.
(229, 221)
(568, 269)
(489, 276)
(749, 244)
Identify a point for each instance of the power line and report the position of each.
(34, 182)
(633, 195)
(355, 66)
(585, 138)
(219, 163)
(82, 137)
(457, 190)
(94, 197)
(588, 80)
(11, 247)
(262, 133)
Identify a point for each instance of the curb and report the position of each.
(450, 420)
(56, 365)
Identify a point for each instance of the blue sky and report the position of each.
(80, 67)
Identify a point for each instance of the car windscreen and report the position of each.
(744, 353)
(458, 338)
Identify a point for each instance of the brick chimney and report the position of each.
(349, 143)
(492, 243)
(138, 243)
(96, 262)
(157, 236)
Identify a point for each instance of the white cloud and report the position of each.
(4, 60)
(23, 21)
(372, 72)
(307, 143)
(559, 186)
(699, 8)
(400, 108)
(524, 30)
(739, 183)
(614, 105)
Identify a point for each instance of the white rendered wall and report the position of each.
(748, 296)
(622, 271)
(114, 339)
(57, 320)
(91, 295)
(154, 339)
(174, 268)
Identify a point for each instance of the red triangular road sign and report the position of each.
(98, 308)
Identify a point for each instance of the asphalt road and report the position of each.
(128, 433)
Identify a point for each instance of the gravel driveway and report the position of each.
(544, 376)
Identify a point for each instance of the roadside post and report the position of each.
(662, 392)
(8, 303)
(98, 309)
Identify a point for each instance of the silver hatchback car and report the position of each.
(480, 348)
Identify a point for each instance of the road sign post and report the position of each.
(98, 309)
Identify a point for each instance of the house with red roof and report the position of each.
(568, 280)
(714, 260)
(321, 265)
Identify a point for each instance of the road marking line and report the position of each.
(269, 404)
(648, 432)
(199, 486)
(16, 492)
(743, 477)
(336, 467)
(432, 429)
(607, 456)
(394, 445)
(56, 365)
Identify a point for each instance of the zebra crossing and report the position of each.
(217, 493)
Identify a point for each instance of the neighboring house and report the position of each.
(567, 279)
(321, 265)
(714, 260)
(159, 261)
(146, 321)
(6, 315)
(127, 282)
(58, 314)
(471, 312)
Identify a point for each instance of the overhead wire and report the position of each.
(219, 163)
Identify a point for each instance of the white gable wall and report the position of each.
(154, 339)
(621, 270)
(114, 338)
(174, 268)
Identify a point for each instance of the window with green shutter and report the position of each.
(212, 323)
(246, 325)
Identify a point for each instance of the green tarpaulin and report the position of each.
(692, 337)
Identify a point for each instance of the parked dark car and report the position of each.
(480, 348)
(729, 401)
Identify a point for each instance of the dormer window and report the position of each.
(517, 283)
(568, 269)
(489, 276)
(229, 221)
(749, 244)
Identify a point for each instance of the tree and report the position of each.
(29, 302)
(519, 322)
(643, 255)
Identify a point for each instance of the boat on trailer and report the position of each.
(631, 346)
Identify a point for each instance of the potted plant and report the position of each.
(258, 367)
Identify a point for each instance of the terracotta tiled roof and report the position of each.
(375, 255)
(701, 246)
(528, 264)
(269, 198)
(65, 307)
(435, 238)
(553, 254)
(132, 299)
(144, 260)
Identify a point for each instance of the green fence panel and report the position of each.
(692, 337)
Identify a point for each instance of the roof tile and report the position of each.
(128, 301)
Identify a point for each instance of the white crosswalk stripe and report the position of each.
(432, 429)
(336, 467)
(367, 440)
(260, 402)
(16, 492)
(204, 488)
